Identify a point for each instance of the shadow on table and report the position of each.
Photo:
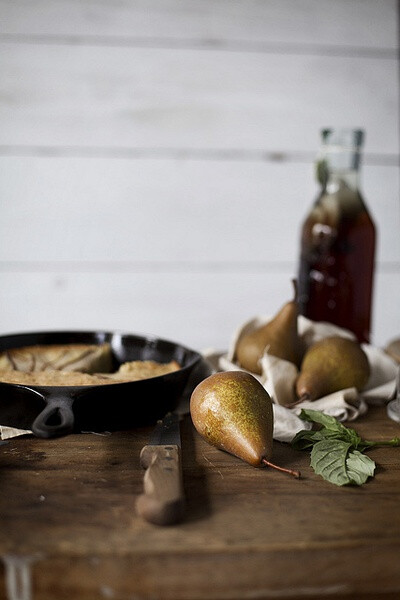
(194, 476)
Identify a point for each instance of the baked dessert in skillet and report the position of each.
(74, 365)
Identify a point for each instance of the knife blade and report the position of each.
(162, 501)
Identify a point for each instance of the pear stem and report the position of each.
(295, 287)
(305, 396)
(302, 398)
(296, 474)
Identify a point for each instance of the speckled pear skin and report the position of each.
(279, 337)
(233, 412)
(330, 365)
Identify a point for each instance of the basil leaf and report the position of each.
(328, 459)
(359, 467)
(331, 424)
(316, 416)
(306, 438)
(337, 463)
(336, 452)
(322, 172)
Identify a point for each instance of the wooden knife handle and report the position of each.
(162, 502)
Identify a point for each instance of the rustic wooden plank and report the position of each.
(363, 23)
(69, 502)
(200, 309)
(220, 576)
(84, 96)
(152, 210)
(197, 212)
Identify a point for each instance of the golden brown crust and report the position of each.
(53, 378)
(129, 371)
(85, 358)
(143, 369)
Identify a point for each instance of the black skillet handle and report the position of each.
(57, 418)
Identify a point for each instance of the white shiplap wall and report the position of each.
(156, 156)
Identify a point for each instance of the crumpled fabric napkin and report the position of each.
(278, 377)
(11, 432)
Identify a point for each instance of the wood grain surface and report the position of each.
(352, 24)
(69, 529)
(107, 97)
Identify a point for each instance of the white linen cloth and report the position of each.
(11, 432)
(278, 378)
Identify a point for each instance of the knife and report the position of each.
(163, 501)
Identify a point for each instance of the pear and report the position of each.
(279, 337)
(233, 412)
(332, 364)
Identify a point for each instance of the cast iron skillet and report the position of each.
(51, 411)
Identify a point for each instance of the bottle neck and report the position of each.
(341, 168)
(339, 179)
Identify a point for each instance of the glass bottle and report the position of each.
(335, 280)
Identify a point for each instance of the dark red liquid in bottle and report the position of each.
(337, 262)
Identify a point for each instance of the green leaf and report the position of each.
(306, 438)
(359, 467)
(336, 452)
(316, 416)
(322, 172)
(328, 459)
(331, 424)
(337, 463)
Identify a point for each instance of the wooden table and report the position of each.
(69, 529)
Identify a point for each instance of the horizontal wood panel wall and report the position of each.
(156, 157)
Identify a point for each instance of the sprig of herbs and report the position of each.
(336, 450)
